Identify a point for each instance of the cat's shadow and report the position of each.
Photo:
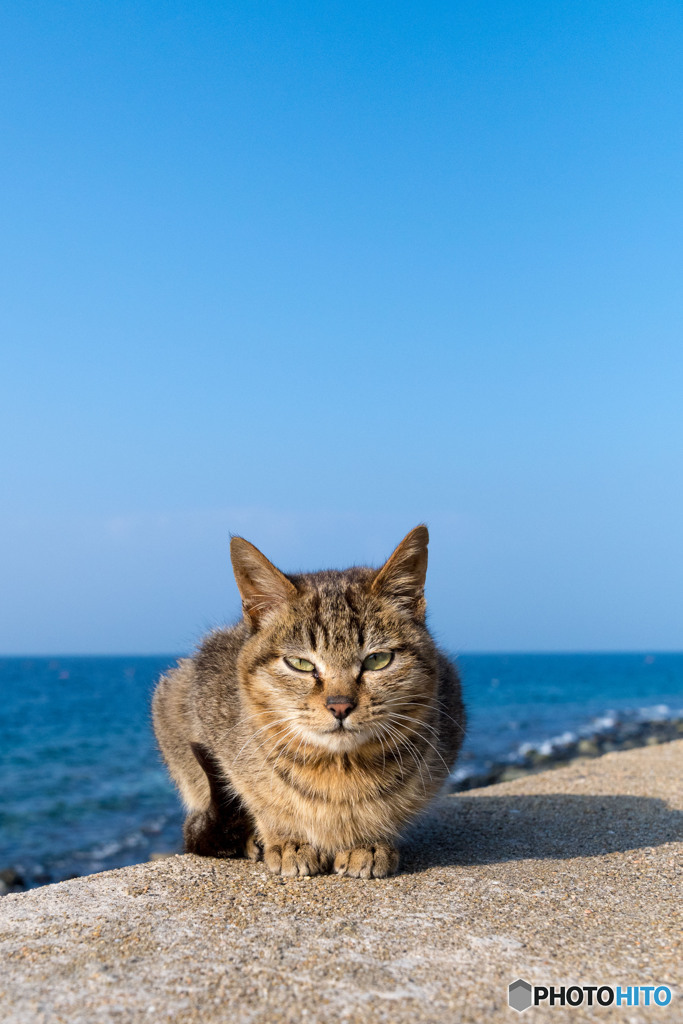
(466, 829)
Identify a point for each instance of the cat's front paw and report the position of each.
(367, 862)
(291, 859)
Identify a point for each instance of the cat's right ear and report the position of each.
(262, 587)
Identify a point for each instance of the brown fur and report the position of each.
(265, 765)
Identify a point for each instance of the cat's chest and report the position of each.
(340, 803)
(342, 785)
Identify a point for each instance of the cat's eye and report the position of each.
(380, 659)
(300, 664)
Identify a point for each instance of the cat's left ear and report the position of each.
(402, 577)
(262, 587)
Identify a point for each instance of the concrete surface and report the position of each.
(567, 877)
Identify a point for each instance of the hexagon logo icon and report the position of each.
(519, 995)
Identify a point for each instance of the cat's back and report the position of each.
(200, 692)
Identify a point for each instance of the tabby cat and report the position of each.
(314, 730)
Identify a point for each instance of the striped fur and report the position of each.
(263, 766)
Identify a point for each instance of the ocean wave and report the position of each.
(601, 734)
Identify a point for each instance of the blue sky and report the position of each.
(316, 272)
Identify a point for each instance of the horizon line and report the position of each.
(480, 652)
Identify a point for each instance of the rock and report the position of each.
(512, 772)
(11, 878)
(537, 758)
(588, 748)
(482, 779)
(560, 877)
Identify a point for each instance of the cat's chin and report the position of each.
(336, 740)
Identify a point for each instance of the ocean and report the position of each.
(82, 787)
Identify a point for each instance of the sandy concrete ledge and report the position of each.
(567, 877)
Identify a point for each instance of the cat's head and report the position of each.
(338, 658)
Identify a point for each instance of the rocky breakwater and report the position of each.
(604, 735)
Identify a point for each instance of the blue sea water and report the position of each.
(82, 786)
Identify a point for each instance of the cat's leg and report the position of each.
(376, 861)
(217, 824)
(223, 828)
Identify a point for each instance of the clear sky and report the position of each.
(315, 272)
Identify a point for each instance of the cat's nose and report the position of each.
(340, 706)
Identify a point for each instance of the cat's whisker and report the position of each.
(400, 731)
(435, 700)
(280, 732)
(380, 740)
(248, 718)
(276, 744)
(378, 736)
(457, 724)
(398, 753)
(415, 722)
(296, 752)
(250, 739)
(384, 760)
(405, 742)
(413, 746)
(415, 754)
(281, 753)
(438, 754)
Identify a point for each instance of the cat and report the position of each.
(314, 730)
